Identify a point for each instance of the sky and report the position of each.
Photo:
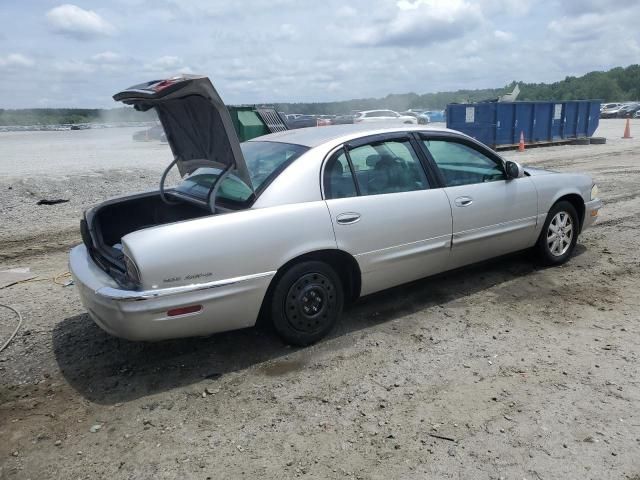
(79, 54)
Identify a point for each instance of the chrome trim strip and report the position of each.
(483, 233)
(436, 243)
(139, 295)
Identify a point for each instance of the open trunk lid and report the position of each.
(198, 126)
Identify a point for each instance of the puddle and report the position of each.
(276, 369)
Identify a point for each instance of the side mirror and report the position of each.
(513, 169)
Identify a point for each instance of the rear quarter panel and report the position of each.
(229, 245)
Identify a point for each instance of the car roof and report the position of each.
(314, 136)
(378, 110)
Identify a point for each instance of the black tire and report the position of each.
(558, 255)
(306, 302)
(597, 140)
(581, 141)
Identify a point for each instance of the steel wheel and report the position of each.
(560, 233)
(306, 302)
(310, 300)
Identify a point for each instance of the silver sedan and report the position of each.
(296, 224)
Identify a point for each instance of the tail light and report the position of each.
(162, 84)
(132, 270)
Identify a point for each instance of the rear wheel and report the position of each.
(307, 302)
(559, 234)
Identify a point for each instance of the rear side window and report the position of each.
(387, 167)
(338, 180)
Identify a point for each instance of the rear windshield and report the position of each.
(265, 161)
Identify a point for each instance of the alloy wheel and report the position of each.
(560, 234)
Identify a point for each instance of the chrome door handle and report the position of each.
(463, 201)
(348, 218)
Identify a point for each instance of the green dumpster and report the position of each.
(251, 121)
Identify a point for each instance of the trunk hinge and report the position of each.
(211, 196)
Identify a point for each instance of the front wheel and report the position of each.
(306, 303)
(559, 234)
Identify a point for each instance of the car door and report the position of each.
(385, 211)
(375, 117)
(492, 215)
(390, 117)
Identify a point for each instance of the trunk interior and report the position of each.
(113, 221)
(102, 231)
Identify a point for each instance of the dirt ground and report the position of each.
(501, 370)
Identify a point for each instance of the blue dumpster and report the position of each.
(499, 124)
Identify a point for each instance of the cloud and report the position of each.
(164, 63)
(576, 7)
(107, 57)
(346, 11)
(167, 65)
(286, 32)
(75, 67)
(78, 23)
(501, 35)
(273, 50)
(16, 60)
(421, 23)
(516, 8)
(581, 28)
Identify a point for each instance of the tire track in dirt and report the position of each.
(36, 245)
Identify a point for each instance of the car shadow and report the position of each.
(108, 370)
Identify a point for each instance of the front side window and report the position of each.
(387, 167)
(463, 165)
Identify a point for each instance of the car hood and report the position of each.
(532, 172)
(197, 123)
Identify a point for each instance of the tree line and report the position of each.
(617, 84)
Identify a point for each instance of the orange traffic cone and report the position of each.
(521, 145)
(627, 130)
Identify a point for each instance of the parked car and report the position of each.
(619, 111)
(302, 121)
(383, 116)
(607, 106)
(637, 114)
(432, 116)
(298, 223)
(154, 133)
(628, 111)
(612, 112)
(342, 119)
(324, 120)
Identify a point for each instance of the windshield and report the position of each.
(264, 160)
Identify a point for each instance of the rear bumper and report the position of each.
(591, 210)
(142, 315)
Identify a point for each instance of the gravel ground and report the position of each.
(501, 370)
